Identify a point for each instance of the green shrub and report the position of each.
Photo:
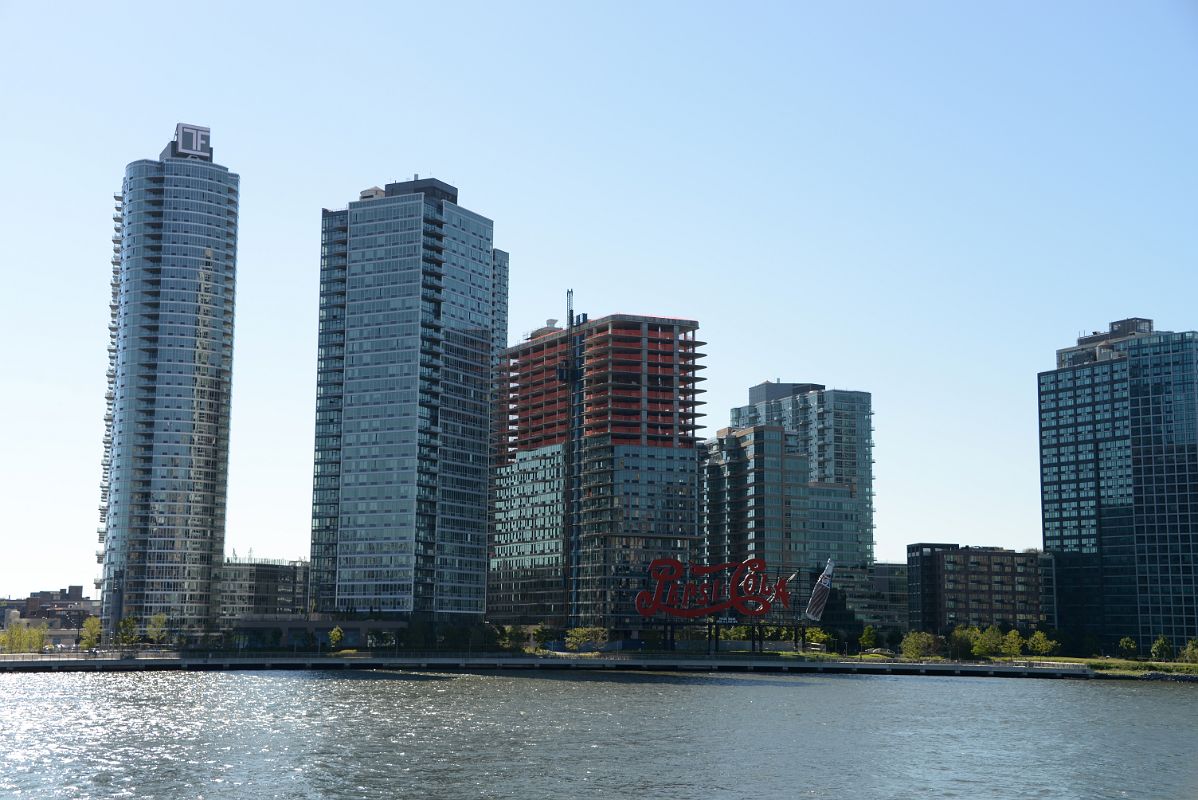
(579, 638)
(919, 644)
(1041, 645)
(1162, 649)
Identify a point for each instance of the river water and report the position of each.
(391, 735)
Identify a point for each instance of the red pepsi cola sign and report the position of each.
(746, 589)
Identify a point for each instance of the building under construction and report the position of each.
(598, 471)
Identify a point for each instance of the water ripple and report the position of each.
(385, 735)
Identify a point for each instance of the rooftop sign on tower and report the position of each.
(192, 140)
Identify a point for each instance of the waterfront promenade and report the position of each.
(117, 661)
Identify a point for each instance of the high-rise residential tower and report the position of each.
(833, 429)
(166, 441)
(759, 502)
(413, 316)
(598, 473)
(1119, 484)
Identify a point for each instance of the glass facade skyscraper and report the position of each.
(413, 315)
(1119, 483)
(759, 502)
(833, 428)
(166, 442)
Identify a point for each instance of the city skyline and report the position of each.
(927, 233)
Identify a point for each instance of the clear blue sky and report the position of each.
(921, 200)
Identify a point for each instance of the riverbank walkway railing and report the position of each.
(473, 661)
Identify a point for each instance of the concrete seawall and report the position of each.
(491, 663)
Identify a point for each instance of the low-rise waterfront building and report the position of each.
(951, 585)
(262, 588)
(873, 595)
(62, 608)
